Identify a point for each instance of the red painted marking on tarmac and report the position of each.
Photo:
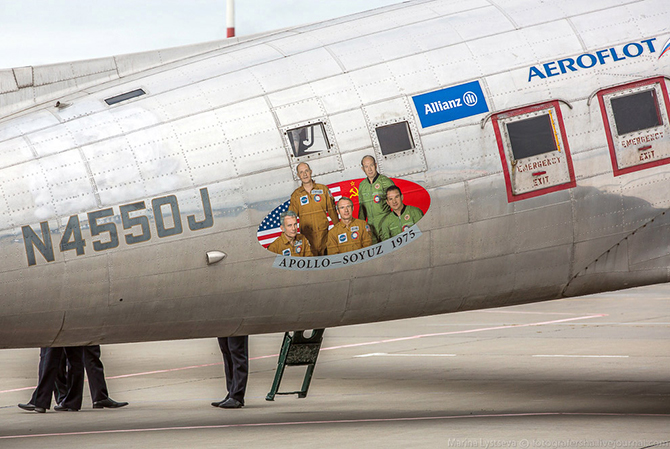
(353, 345)
(335, 421)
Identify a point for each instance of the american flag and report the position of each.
(269, 229)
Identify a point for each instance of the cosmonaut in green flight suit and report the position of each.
(372, 196)
(402, 216)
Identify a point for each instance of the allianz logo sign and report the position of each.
(469, 99)
(452, 103)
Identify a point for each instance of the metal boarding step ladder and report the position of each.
(297, 350)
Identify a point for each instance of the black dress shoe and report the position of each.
(62, 408)
(109, 403)
(214, 404)
(231, 403)
(40, 410)
(31, 407)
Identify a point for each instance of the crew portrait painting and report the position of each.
(313, 204)
(372, 196)
(313, 224)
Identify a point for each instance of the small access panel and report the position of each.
(534, 151)
(636, 124)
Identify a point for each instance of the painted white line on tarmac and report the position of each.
(384, 354)
(582, 356)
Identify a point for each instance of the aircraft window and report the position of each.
(394, 138)
(637, 124)
(534, 150)
(124, 97)
(532, 136)
(636, 112)
(306, 140)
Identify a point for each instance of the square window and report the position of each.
(636, 112)
(394, 138)
(637, 126)
(532, 136)
(307, 140)
(534, 151)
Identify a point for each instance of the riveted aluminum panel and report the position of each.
(398, 289)
(28, 290)
(615, 24)
(525, 14)
(431, 34)
(14, 256)
(295, 70)
(259, 151)
(374, 49)
(524, 47)
(132, 117)
(414, 73)
(587, 251)
(456, 6)
(374, 84)
(598, 208)
(231, 88)
(24, 76)
(296, 43)
(583, 123)
(291, 95)
(27, 193)
(337, 94)
(491, 275)
(487, 198)
(183, 102)
(344, 29)
(92, 128)
(392, 112)
(637, 149)
(479, 23)
(648, 188)
(51, 140)
(454, 65)
(461, 153)
(87, 282)
(205, 148)
(451, 245)
(448, 206)
(542, 273)
(69, 184)
(246, 117)
(115, 171)
(14, 151)
(262, 192)
(229, 205)
(299, 111)
(7, 81)
(27, 124)
(544, 227)
(351, 163)
(350, 131)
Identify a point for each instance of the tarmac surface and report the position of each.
(589, 372)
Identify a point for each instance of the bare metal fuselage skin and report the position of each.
(209, 133)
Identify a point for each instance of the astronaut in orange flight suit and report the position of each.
(350, 233)
(313, 204)
(290, 242)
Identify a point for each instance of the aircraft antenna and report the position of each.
(230, 18)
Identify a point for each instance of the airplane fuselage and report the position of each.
(541, 185)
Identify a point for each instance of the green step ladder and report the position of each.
(297, 350)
